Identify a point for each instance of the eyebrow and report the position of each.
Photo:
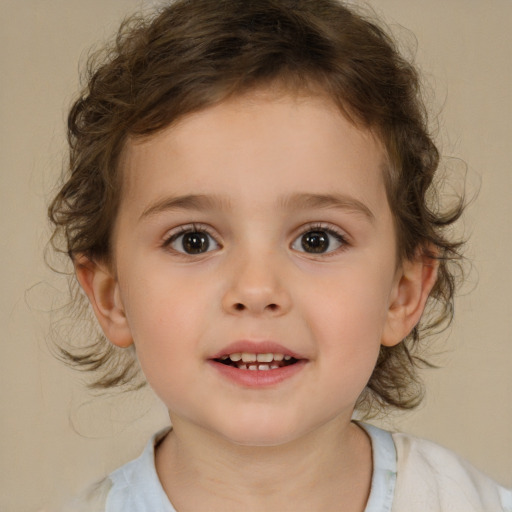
(199, 202)
(335, 201)
(300, 201)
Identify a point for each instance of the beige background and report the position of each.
(55, 438)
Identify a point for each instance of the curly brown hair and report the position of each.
(193, 54)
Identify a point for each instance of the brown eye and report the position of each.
(193, 242)
(315, 242)
(318, 241)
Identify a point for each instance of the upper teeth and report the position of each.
(248, 357)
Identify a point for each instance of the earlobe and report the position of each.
(414, 283)
(102, 290)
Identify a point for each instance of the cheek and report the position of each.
(166, 318)
(166, 345)
(349, 308)
(159, 298)
(347, 320)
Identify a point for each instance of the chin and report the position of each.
(258, 433)
(260, 439)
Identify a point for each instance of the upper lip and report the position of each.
(256, 347)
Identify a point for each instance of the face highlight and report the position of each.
(256, 266)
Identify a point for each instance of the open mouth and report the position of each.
(261, 362)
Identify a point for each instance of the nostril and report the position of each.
(239, 307)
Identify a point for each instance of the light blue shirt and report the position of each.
(136, 487)
(409, 475)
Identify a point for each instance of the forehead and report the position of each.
(267, 143)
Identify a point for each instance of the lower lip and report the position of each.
(258, 378)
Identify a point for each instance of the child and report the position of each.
(249, 206)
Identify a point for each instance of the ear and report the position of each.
(102, 290)
(414, 282)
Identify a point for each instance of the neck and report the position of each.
(319, 471)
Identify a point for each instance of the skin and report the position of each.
(262, 161)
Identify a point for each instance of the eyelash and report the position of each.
(183, 230)
(201, 228)
(339, 236)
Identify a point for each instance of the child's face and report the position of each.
(260, 225)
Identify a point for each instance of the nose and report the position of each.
(256, 288)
